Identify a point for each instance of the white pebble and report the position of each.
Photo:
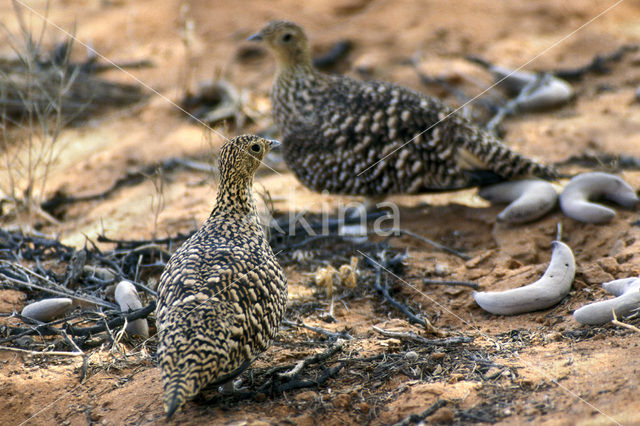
(530, 199)
(627, 291)
(576, 199)
(411, 356)
(551, 92)
(549, 290)
(127, 297)
(48, 309)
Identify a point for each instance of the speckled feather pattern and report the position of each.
(374, 138)
(222, 295)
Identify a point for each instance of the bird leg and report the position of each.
(368, 205)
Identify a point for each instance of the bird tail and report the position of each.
(175, 395)
(193, 351)
(490, 154)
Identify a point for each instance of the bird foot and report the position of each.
(231, 387)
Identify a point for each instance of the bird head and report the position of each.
(241, 156)
(287, 41)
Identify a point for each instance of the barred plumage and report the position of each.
(222, 295)
(375, 138)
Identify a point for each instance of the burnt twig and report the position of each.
(279, 383)
(602, 161)
(114, 323)
(332, 335)
(131, 244)
(512, 106)
(337, 52)
(384, 290)
(65, 293)
(299, 225)
(451, 283)
(129, 179)
(42, 353)
(418, 418)
(598, 65)
(314, 359)
(409, 335)
(449, 88)
(428, 241)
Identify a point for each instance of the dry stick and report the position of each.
(452, 283)
(47, 329)
(597, 65)
(511, 107)
(615, 321)
(59, 293)
(428, 241)
(116, 322)
(404, 309)
(331, 224)
(273, 387)
(135, 243)
(71, 342)
(602, 161)
(152, 246)
(442, 82)
(36, 353)
(331, 334)
(314, 359)
(43, 329)
(418, 418)
(129, 179)
(298, 384)
(410, 335)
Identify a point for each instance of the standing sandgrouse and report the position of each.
(222, 295)
(375, 138)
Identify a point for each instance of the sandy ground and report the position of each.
(550, 370)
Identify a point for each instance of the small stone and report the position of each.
(411, 356)
(48, 309)
(127, 297)
(438, 355)
(441, 270)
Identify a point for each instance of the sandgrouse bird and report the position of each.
(375, 138)
(222, 295)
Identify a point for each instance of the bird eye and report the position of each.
(256, 147)
(286, 38)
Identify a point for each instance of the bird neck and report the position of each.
(295, 56)
(289, 71)
(236, 199)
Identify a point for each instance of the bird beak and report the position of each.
(255, 37)
(274, 143)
